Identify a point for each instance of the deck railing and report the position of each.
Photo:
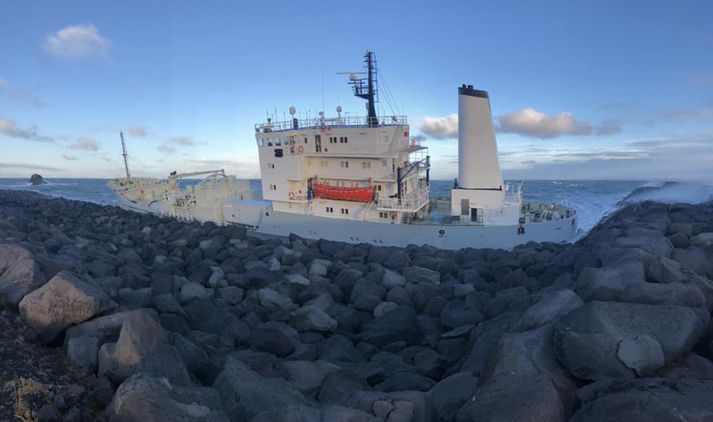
(331, 122)
(409, 202)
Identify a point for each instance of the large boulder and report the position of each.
(397, 325)
(397, 406)
(245, 393)
(142, 347)
(449, 395)
(612, 339)
(646, 399)
(515, 398)
(149, 399)
(626, 282)
(37, 179)
(310, 318)
(19, 273)
(63, 301)
(313, 414)
(550, 306)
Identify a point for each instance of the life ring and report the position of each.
(291, 195)
(292, 149)
(300, 149)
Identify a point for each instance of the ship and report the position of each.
(365, 179)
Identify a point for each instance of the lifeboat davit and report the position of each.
(362, 194)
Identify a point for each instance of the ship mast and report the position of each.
(123, 149)
(367, 88)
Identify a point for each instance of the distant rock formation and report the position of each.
(36, 179)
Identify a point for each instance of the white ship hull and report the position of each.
(443, 236)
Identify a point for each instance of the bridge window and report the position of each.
(345, 164)
(329, 209)
(261, 142)
(269, 142)
(383, 215)
(278, 142)
(345, 211)
(273, 187)
(366, 164)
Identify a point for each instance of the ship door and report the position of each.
(474, 215)
(464, 206)
(317, 143)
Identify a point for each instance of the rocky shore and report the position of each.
(113, 315)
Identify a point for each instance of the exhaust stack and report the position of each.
(478, 166)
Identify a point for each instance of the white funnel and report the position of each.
(478, 166)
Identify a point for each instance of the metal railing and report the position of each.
(413, 201)
(331, 122)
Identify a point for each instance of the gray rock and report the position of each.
(338, 386)
(276, 338)
(231, 294)
(133, 299)
(167, 303)
(148, 399)
(398, 406)
(194, 290)
(312, 414)
(273, 300)
(548, 308)
(587, 340)
(63, 301)
(245, 393)
(397, 325)
(459, 312)
(450, 393)
(646, 399)
(19, 273)
(392, 279)
(626, 283)
(82, 351)
(308, 376)
(641, 353)
(528, 354)
(702, 240)
(515, 398)
(417, 274)
(400, 381)
(106, 328)
(142, 347)
(383, 308)
(339, 350)
(308, 318)
(298, 279)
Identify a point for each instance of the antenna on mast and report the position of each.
(367, 88)
(123, 149)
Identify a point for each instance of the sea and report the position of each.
(593, 199)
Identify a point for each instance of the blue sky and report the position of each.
(606, 89)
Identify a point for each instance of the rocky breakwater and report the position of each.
(178, 321)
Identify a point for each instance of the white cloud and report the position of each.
(440, 127)
(29, 166)
(530, 122)
(183, 140)
(77, 41)
(167, 149)
(608, 127)
(18, 94)
(11, 129)
(136, 131)
(69, 157)
(86, 144)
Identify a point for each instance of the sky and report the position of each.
(578, 89)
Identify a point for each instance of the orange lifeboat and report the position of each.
(362, 194)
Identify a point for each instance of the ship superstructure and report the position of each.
(366, 179)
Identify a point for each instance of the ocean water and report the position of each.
(593, 199)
